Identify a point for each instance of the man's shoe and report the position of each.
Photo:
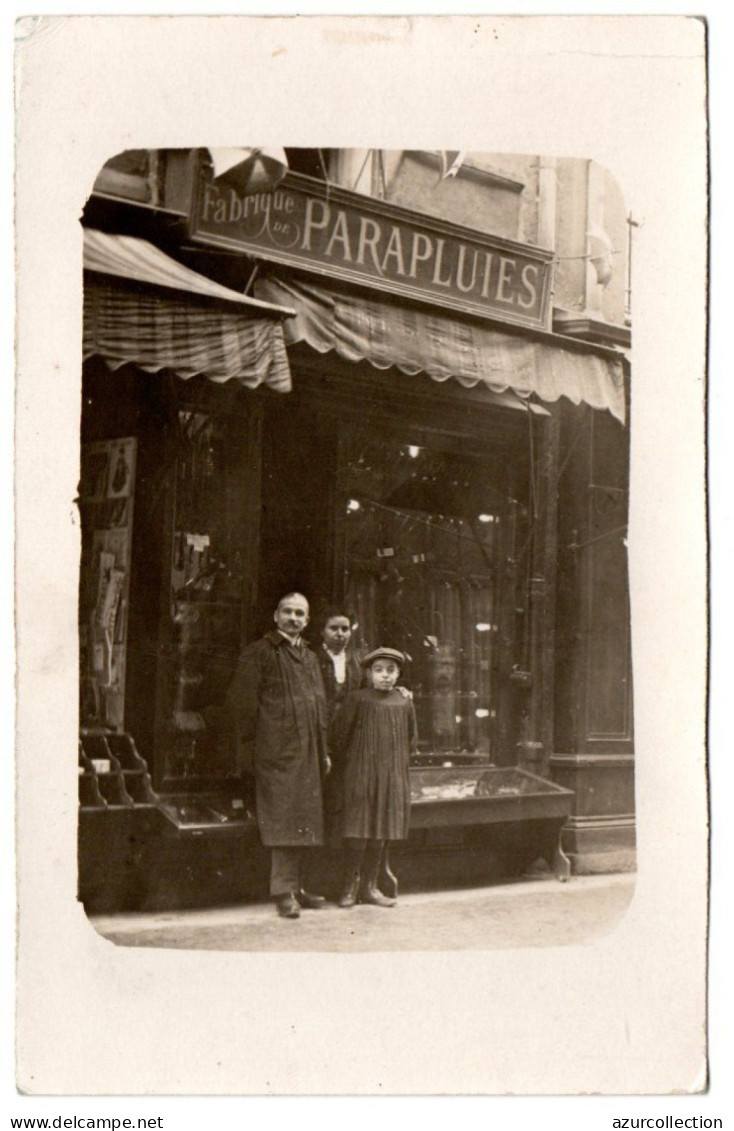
(309, 901)
(287, 906)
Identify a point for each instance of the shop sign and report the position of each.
(316, 227)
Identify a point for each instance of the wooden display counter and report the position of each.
(141, 851)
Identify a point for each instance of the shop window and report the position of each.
(310, 162)
(127, 175)
(423, 552)
(207, 571)
(478, 196)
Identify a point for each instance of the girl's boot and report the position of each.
(369, 892)
(387, 878)
(354, 853)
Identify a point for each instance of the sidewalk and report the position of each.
(531, 912)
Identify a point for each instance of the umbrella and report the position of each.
(249, 170)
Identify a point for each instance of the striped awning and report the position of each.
(143, 307)
(364, 327)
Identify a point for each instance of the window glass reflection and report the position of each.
(421, 564)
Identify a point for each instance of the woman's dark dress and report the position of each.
(336, 693)
(375, 734)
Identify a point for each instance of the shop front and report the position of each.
(381, 422)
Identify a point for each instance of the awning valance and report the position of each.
(144, 308)
(359, 327)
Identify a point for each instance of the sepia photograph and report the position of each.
(365, 524)
(381, 407)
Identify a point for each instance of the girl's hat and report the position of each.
(384, 654)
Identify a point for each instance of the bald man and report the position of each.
(275, 708)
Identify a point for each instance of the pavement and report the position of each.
(529, 912)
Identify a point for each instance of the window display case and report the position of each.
(443, 798)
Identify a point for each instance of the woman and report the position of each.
(340, 668)
(342, 673)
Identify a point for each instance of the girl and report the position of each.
(375, 734)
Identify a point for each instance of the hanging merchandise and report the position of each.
(106, 496)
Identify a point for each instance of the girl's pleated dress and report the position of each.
(374, 737)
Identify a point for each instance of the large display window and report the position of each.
(207, 555)
(435, 561)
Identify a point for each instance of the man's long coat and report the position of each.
(277, 709)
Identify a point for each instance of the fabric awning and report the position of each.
(359, 327)
(142, 307)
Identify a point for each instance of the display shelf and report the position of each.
(90, 795)
(112, 772)
(212, 813)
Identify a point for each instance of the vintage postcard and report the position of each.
(361, 536)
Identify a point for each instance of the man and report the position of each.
(276, 708)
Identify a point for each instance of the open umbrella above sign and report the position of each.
(249, 170)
